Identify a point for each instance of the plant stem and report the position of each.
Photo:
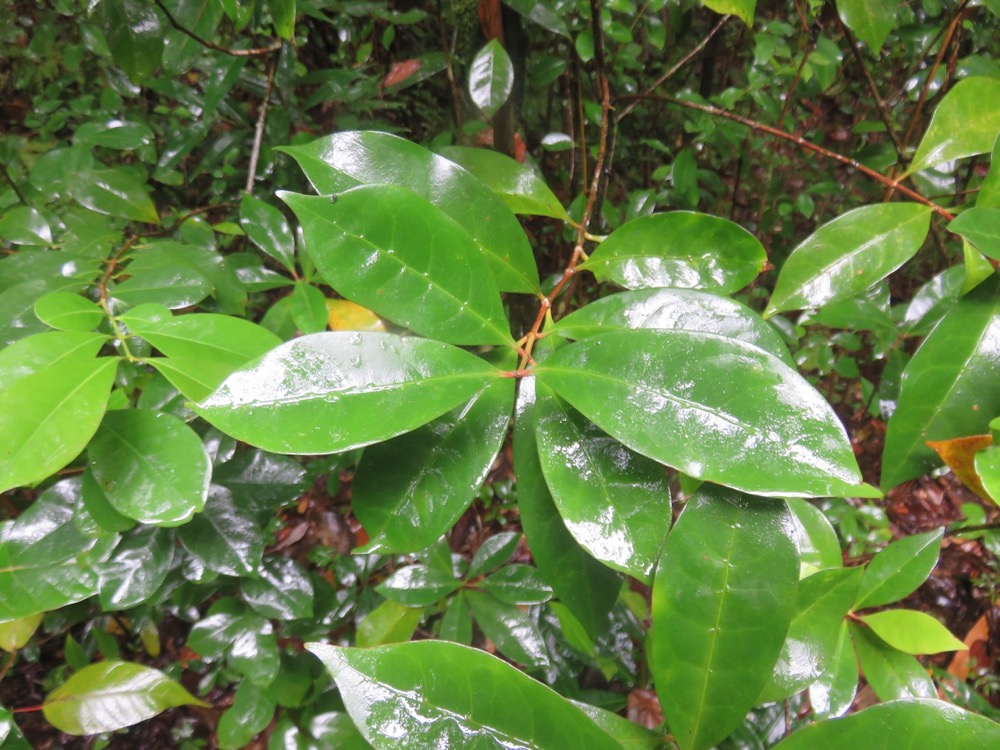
(212, 45)
(258, 133)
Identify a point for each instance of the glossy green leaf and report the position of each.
(261, 481)
(309, 311)
(456, 624)
(949, 387)
(174, 286)
(723, 599)
(68, 312)
(250, 713)
(673, 309)
(819, 547)
(509, 628)
(965, 123)
(896, 571)
(520, 186)
(849, 254)
(987, 463)
(912, 632)
(283, 15)
(132, 29)
(24, 225)
(923, 724)
(491, 77)
(810, 649)
(344, 160)
(716, 409)
(989, 190)
(389, 622)
(224, 536)
(678, 249)
(267, 228)
(832, 694)
(433, 694)
(870, 20)
(587, 588)
(615, 502)
(181, 51)
(283, 591)
(53, 393)
(17, 315)
(118, 134)
(410, 490)
(221, 273)
(245, 638)
(627, 733)
(69, 271)
(114, 192)
(316, 394)
(418, 586)
(933, 301)
(136, 569)
(517, 584)
(977, 267)
(112, 695)
(891, 673)
(391, 251)
(15, 634)
(151, 466)
(981, 227)
(493, 552)
(44, 554)
(742, 9)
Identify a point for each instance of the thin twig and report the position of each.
(212, 45)
(258, 134)
(456, 95)
(17, 190)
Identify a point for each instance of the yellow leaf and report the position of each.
(345, 315)
(959, 454)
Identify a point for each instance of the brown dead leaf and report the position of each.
(959, 455)
(976, 641)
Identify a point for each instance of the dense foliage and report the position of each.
(547, 369)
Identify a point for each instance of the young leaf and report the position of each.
(849, 254)
(389, 622)
(965, 123)
(819, 547)
(345, 160)
(491, 77)
(891, 673)
(68, 312)
(493, 552)
(896, 571)
(309, 310)
(678, 249)
(912, 632)
(424, 694)
(391, 251)
(981, 227)
(716, 409)
(316, 394)
(615, 503)
(987, 463)
(949, 387)
(517, 584)
(833, 692)
(742, 9)
(15, 634)
(151, 466)
(723, 599)
(111, 695)
(456, 625)
(871, 20)
(267, 228)
(409, 490)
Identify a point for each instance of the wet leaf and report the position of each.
(517, 584)
(819, 547)
(678, 249)
(344, 160)
(493, 552)
(723, 599)
(136, 569)
(891, 673)
(224, 536)
(123, 135)
(438, 694)
(283, 591)
(511, 629)
(251, 712)
(871, 20)
(418, 586)
(344, 315)
(316, 394)
(742, 9)
(261, 481)
(268, 229)
(114, 192)
(132, 29)
(981, 227)
(391, 251)
(151, 466)
(24, 225)
(896, 571)
(389, 622)
(833, 691)
(68, 312)
(456, 625)
(988, 467)
(912, 632)
(309, 310)
(849, 254)
(491, 77)
(716, 409)
(244, 638)
(963, 124)
(15, 634)
(959, 455)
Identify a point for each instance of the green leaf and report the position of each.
(673, 309)
(819, 547)
(132, 29)
(493, 552)
(891, 673)
(68, 312)
(615, 503)
(425, 694)
(181, 51)
(114, 192)
(283, 15)
(151, 466)
(679, 249)
(389, 622)
(491, 77)
(949, 387)
(118, 134)
(989, 190)
(517, 584)
(742, 9)
(987, 463)
(410, 490)
(283, 591)
(716, 409)
(175, 286)
(912, 632)
(245, 638)
(24, 225)
(67, 271)
(112, 695)
(316, 394)
(511, 629)
(871, 20)
(267, 228)
(587, 588)
(810, 649)
(222, 274)
(137, 569)
(965, 123)
(456, 625)
(833, 691)
(261, 481)
(53, 394)
(896, 571)
(925, 724)
(849, 254)
(418, 586)
(627, 733)
(224, 537)
(344, 160)
(391, 251)
(723, 599)
(309, 310)
(981, 227)
(15, 634)
(520, 186)
(251, 712)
